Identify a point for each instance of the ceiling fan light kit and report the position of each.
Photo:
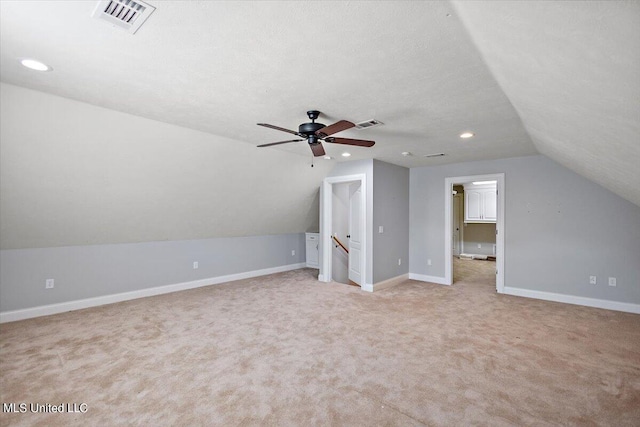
(315, 133)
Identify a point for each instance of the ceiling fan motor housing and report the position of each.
(310, 129)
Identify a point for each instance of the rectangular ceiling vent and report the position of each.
(126, 14)
(434, 155)
(368, 124)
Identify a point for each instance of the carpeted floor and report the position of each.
(287, 350)
(469, 271)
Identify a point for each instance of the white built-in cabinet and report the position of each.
(313, 253)
(480, 203)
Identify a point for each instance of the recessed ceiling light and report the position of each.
(327, 157)
(345, 154)
(32, 64)
(406, 153)
(466, 135)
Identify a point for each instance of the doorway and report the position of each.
(451, 220)
(346, 233)
(356, 218)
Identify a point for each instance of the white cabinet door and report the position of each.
(480, 203)
(473, 205)
(313, 256)
(490, 205)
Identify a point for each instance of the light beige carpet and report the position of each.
(287, 350)
(470, 271)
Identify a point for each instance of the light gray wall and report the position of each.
(91, 271)
(391, 211)
(76, 174)
(560, 228)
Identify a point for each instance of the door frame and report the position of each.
(326, 224)
(461, 231)
(355, 230)
(448, 225)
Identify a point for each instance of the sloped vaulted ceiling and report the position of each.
(572, 71)
(560, 78)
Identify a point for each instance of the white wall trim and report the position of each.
(572, 299)
(448, 227)
(367, 287)
(430, 279)
(390, 282)
(46, 310)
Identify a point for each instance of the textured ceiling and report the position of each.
(221, 67)
(572, 71)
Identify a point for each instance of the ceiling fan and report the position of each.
(314, 133)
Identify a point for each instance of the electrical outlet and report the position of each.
(381, 229)
(49, 284)
(593, 280)
(399, 261)
(293, 252)
(429, 262)
(479, 246)
(612, 281)
(195, 265)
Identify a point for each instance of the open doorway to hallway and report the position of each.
(474, 232)
(346, 233)
(474, 224)
(348, 195)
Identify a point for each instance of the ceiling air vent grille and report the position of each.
(126, 14)
(368, 124)
(434, 155)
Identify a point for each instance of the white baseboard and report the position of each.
(46, 310)
(572, 299)
(390, 282)
(430, 279)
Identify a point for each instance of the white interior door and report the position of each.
(457, 221)
(355, 233)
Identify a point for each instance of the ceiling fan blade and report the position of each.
(349, 141)
(281, 142)
(318, 149)
(334, 128)
(279, 128)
